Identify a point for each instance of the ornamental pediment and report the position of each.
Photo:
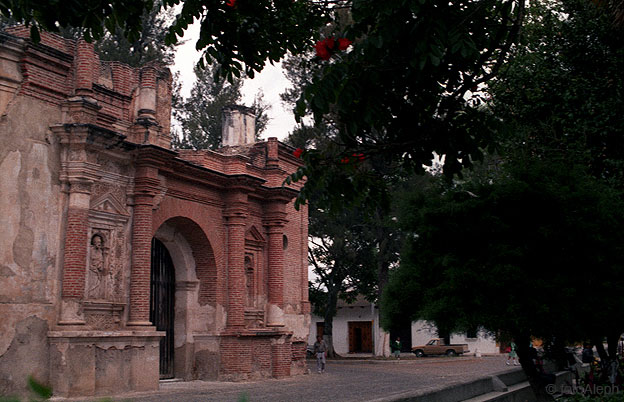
(253, 237)
(107, 203)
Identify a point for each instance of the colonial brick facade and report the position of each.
(97, 211)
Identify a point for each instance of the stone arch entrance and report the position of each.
(195, 288)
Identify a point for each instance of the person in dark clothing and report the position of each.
(587, 355)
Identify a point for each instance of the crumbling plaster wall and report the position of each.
(31, 204)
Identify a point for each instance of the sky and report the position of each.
(271, 81)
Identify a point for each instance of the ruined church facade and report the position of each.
(122, 261)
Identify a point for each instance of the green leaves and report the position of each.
(399, 89)
(507, 253)
(562, 89)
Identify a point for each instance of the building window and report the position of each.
(285, 242)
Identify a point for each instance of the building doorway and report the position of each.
(360, 337)
(162, 303)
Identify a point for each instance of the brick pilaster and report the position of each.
(236, 216)
(275, 243)
(85, 61)
(76, 241)
(282, 358)
(146, 184)
(77, 176)
(274, 221)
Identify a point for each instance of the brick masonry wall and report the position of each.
(236, 355)
(261, 356)
(196, 199)
(298, 350)
(75, 254)
(282, 358)
(208, 217)
(57, 68)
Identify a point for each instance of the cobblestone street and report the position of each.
(344, 380)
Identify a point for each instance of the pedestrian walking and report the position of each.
(320, 349)
(512, 355)
(396, 348)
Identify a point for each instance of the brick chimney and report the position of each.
(239, 126)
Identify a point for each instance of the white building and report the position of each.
(356, 330)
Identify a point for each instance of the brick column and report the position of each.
(85, 62)
(303, 216)
(146, 183)
(75, 252)
(77, 175)
(236, 215)
(274, 221)
(281, 358)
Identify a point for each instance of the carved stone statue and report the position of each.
(98, 280)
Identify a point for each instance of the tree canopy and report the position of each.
(560, 94)
(529, 244)
(393, 75)
(531, 252)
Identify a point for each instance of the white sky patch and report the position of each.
(271, 81)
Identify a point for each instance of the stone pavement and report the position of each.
(344, 380)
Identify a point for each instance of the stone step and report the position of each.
(519, 392)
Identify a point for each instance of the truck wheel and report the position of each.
(451, 352)
(419, 353)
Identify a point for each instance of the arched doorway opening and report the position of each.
(197, 314)
(162, 304)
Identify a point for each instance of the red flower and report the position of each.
(344, 160)
(343, 43)
(329, 42)
(230, 3)
(325, 48)
(297, 152)
(359, 157)
(322, 51)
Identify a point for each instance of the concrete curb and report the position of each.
(511, 384)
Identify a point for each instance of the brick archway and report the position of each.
(196, 287)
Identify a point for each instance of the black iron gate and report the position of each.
(162, 303)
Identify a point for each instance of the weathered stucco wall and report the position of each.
(31, 206)
(87, 181)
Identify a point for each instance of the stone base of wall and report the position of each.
(252, 355)
(206, 357)
(102, 362)
(299, 363)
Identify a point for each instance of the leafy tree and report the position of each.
(402, 100)
(537, 252)
(560, 96)
(149, 46)
(351, 248)
(115, 46)
(530, 244)
(200, 115)
(398, 90)
(342, 261)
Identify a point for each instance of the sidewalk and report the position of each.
(344, 380)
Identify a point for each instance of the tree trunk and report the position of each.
(612, 344)
(602, 353)
(382, 254)
(537, 380)
(330, 312)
